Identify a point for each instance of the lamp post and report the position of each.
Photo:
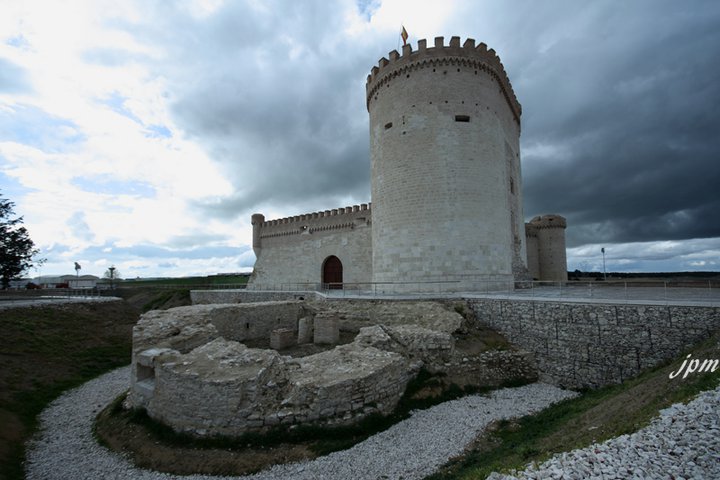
(604, 272)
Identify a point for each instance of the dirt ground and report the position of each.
(146, 451)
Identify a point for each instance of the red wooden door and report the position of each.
(333, 272)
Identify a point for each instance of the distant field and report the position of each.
(188, 281)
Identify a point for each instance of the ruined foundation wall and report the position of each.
(210, 297)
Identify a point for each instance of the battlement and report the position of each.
(468, 54)
(337, 218)
(545, 221)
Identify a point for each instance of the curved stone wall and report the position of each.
(548, 258)
(445, 166)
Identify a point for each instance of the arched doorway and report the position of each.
(332, 272)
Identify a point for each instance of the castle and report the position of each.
(446, 212)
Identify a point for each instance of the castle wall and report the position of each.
(533, 265)
(291, 251)
(444, 132)
(592, 345)
(548, 254)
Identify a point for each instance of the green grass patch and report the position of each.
(48, 350)
(180, 295)
(239, 280)
(596, 416)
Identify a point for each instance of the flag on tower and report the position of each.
(404, 35)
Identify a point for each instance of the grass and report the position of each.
(188, 281)
(46, 351)
(167, 296)
(593, 417)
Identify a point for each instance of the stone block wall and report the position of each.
(445, 165)
(293, 250)
(256, 320)
(282, 338)
(212, 297)
(326, 329)
(306, 330)
(492, 368)
(592, 345)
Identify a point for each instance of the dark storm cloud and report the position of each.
(619, 106)
(620, 122)
(274, 94)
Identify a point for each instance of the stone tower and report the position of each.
(445, 168)
(547, 258)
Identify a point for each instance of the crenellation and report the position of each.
(426, 170)
(453, 54)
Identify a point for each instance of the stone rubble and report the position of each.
(192, 373)
(683, 442)
(64, 447)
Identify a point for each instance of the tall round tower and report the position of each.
(445, 168)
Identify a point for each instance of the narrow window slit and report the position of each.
(462, 118)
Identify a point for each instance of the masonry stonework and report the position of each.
(592, 345)
(190, 372)
(547, 258)
(446, 186)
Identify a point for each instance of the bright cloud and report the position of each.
(144, 134)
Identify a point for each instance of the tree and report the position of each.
(16, 247)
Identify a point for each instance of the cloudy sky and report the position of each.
(143, 134)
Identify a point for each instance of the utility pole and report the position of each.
(112, 277)
(604, 272)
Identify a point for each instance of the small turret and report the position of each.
(547, 257)
(257, 222)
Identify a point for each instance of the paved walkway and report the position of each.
(585, 293)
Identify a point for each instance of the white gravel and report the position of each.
(64, 447)
(683, 442)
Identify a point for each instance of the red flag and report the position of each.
(404, 36)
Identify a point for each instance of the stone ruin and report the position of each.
(199, 369)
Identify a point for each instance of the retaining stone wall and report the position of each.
(211, 297)
(491, 368)
(592, 345)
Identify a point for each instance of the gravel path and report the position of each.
(64, 448)
(683, 442)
